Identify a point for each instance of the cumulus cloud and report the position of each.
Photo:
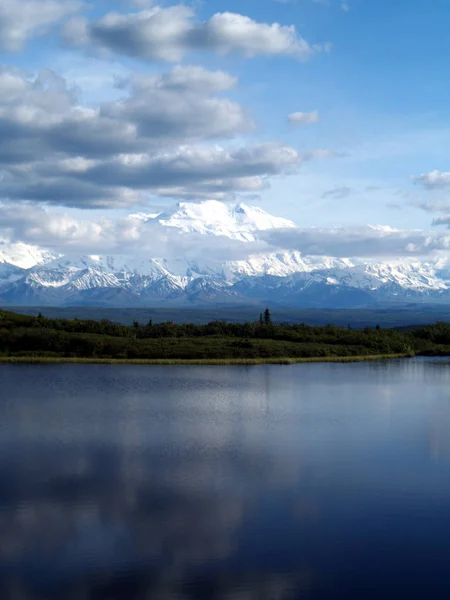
(189, 164)
(434, 180)
(181, 106)
(36, 225)
(64, 233)
(154, 140)
(47, 92)
(433, 206)
(59, 190)
(41, 115)
(168, 135)
(22, 19)
(361, 242)
(442, 220)
(170, 33)
(303, 118)
(189, 172)
(188, 78)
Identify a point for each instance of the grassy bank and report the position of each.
(212, 361)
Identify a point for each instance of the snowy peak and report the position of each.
(23, 255)
(212, 217)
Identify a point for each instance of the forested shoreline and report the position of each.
(32, 337)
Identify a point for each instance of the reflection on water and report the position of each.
(309, 481)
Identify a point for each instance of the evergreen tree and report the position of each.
(261, 320)
(267, 317)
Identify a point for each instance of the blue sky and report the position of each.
(374, 73)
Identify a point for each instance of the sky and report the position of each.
(333, 114)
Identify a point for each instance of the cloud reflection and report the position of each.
(142, 515)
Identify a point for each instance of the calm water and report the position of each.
(308, 481)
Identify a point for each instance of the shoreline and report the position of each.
(200, 361)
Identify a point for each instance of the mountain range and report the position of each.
(32, 276)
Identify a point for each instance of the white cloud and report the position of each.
(434, 180)
(63, 233)
(94, 79)
(303, 118)
(433, 206)
(23, 19)
(30, 98)
(36, 225)
(442, 220)
(180, 106)
(189, 78)
(170, 33)
(42, 114)
(361, 242)
(190, 172)
(164, 137)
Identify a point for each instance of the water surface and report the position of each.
(312, 481)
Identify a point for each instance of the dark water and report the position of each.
(308, 481)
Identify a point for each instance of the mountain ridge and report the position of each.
(30, 275)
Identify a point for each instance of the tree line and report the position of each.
(21, 334)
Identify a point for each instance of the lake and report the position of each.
(312, 481)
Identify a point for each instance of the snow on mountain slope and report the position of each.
(31, 275)
(412, 275)
(107, 264)
(72, 278)
(9, 273)
(23, 255)
(212, 217)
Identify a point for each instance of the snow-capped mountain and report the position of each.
(23, 255)
(30, 275)
(239, 222)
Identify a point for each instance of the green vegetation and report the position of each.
(40, 339)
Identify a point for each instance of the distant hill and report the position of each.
(357, 318)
